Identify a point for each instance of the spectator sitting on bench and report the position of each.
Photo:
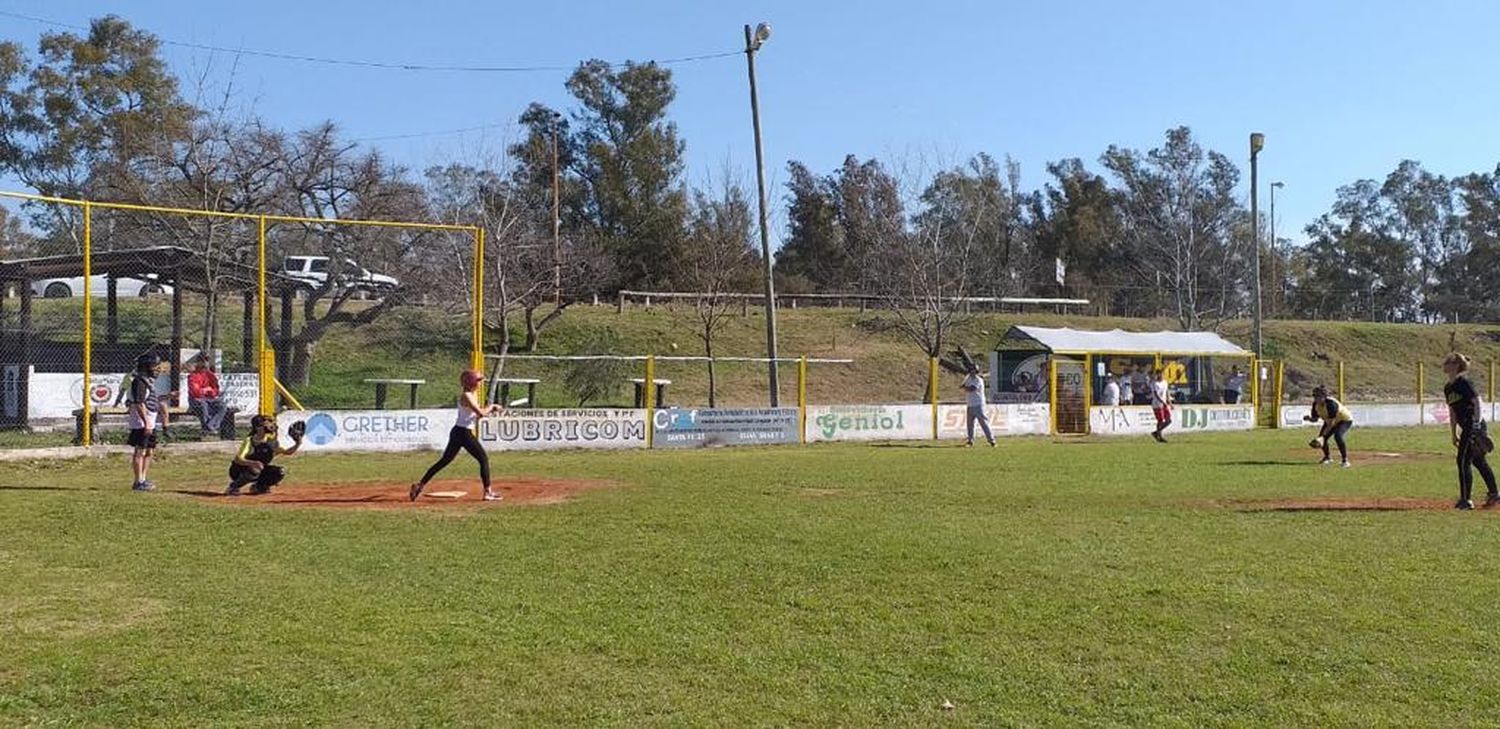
(206, 396)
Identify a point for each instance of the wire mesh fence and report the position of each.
(223, 314)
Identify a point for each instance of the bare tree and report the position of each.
(926, 270)
(328, 178)
(1181, 222)
(718, 260)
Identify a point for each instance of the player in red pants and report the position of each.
(1161, 403)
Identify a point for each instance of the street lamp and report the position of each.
(1257, 142)
(753, 41)
(556, 216)
(1276, 282)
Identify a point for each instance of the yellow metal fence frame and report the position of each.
(266, 366)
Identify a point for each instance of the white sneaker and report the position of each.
(493, 496)
(1325, 461)
(1346, 464)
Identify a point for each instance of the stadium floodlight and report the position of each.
(753, 41)
(762, 34)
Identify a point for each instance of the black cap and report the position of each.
(147, 361)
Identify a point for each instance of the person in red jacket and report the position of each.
(205, 395)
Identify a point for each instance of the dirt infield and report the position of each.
(1344, 504)
(446, 494)
(1361, 458)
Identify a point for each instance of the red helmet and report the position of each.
(470, 379)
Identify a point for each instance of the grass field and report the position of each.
(1040, 583)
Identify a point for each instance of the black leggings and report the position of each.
(1337, 434)
(462, 438)
(1469, 456)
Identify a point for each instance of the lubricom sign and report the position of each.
(684, 428)
(370, 430)
(869, 422)
(1139, 420)
(539, 429)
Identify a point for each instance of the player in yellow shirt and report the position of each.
(1336, 423)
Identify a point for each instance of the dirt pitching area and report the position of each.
(390, 495)
(1365, 458)
(1345, 504)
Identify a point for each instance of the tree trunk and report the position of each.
(300, 371)
(713, 381)
(210, 322)
(529, 344)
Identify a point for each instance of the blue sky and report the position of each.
(1342, 90)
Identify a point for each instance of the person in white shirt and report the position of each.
(461, 437)
(974, 396)
(1234, 387)
(1111, 392)
(1161, 404)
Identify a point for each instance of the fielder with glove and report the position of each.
(1336, 423)
(253, 464)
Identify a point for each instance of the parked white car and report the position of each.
(62, 288)
(314, 270)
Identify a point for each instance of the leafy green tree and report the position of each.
(88, 102)
(1180, 212)
(627, 156)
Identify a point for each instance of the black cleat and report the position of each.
(1464, 505)
(413, 492)
(1492, 501)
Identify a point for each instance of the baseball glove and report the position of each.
(297, 430)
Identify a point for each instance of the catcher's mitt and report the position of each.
(297, 430)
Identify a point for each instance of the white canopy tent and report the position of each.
(1118, 341)
(1070, 367)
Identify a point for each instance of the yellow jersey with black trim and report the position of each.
(1331, 411)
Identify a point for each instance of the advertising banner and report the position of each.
(1139, 420)
(684, 428)
(1004, 420)
(1376, 415)
(869, 422)
(539, 429)
(369, 430)
(58, 394)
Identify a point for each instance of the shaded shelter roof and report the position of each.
(1116, 341)
(169, 264)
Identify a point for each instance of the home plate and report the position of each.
(447, 494)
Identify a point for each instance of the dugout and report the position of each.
(51, 341)
(1068, 368)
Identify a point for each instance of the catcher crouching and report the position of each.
(252, 466)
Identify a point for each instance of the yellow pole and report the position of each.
(1052, 390)
(1341, 381)
(932, 392)
(1421, 378)
(476, 360)
(267, 363)
(1088, 392)
(650, 398)
(1255, 389)
(802, 400)
(88, 325)
(1276, 406)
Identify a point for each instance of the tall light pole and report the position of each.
(1275, 259)
(1257, 142)
(556, 216)
(753, 40)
